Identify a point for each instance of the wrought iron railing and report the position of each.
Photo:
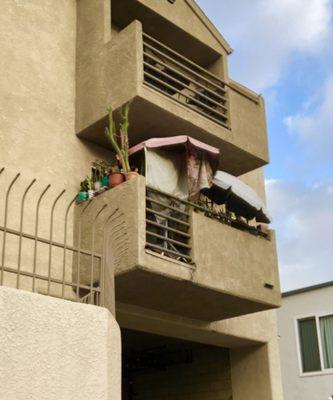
(168, 223)
(39, 263)
(168, 226)
(177, 77)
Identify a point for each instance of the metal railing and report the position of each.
(41, 264)
(168, 223)
(177, 77)
(168, 226)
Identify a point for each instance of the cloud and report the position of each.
(267, 34)
(314, 124)
(303, 219)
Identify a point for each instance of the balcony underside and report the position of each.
(153, 115)
(180, 297)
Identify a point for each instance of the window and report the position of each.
(315, 336)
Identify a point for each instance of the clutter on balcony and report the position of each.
(180, 165)
(238, 197)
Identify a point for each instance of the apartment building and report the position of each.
(191, 287)
(305, 324)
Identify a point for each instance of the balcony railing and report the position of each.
(175, 76)
(168, 223)
(168, 226)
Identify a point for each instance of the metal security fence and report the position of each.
(39, 263)
(175, 76)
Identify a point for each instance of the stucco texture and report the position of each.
(57, 350)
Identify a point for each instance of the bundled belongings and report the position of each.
(178, 165)
(238, 197)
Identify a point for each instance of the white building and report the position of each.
(306, 343)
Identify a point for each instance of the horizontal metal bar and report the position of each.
(160, 203)
(188, 106)
(196, 82)
(185, 59)
(176, 242)
(167, 228)
(162, 249)
(53, 280)
(178, 221)
(180, 65)
(188, 87)
(198, 102)
(47, 241)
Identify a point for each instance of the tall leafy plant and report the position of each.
(119, 141)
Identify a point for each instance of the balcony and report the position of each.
(182, 258)
(172, 95)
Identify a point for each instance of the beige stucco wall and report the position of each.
(314, 386)
(37, 122)
(57, 350)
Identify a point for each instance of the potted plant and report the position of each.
(120, 142)
(101, 174)
(116, 177)
(83, 193)
(90, 187)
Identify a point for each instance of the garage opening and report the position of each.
(163, 368)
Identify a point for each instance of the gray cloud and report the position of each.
(314, 124)
(303, 219)
(266, 34)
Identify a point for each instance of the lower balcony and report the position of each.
(181, 258)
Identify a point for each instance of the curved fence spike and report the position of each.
(5, 226)
(79, 249)
(65, 246)
(21, 232)
(51, 239)
(36, 236)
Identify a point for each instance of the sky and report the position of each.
(283, 49)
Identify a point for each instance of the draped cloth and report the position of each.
(326, 330)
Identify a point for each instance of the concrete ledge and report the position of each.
(57, 350)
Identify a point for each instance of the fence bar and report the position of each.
(51, 238)
(93, 247)
(36, 236)
(222, 97)
(79, 249)
(21, 231)
(186, 60)
(167, 228)
(166, 239)
(65, 245)
(166, 75)
(165, 250)
(5, 225)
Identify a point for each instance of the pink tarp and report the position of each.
(202, 159)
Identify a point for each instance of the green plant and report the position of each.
(120, 142)
(84, 185)
(101, 168)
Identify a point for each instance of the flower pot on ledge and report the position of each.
(116, 178)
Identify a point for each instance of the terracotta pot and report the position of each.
(131, 175)
(116, 178)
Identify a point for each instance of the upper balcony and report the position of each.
(181, 258)
(172, 95)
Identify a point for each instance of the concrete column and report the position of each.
(255, 372)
